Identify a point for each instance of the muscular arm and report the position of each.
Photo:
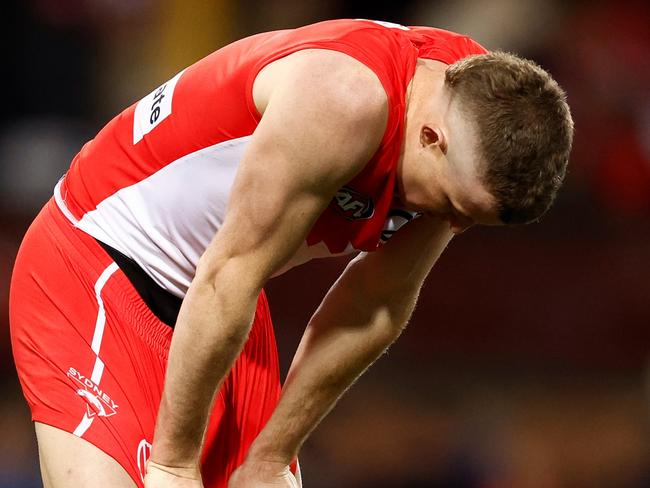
(362, 314)
(322, 123)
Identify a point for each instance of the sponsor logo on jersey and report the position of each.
(158, 96)
(144, 451)
(153, 109)
(396, 219)
(353, 205)
(98, 401)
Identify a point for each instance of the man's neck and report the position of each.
(427, 98)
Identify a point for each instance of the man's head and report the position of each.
(524, 130)
(496, 144)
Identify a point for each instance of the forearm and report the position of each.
(337, 347)
(211, 329)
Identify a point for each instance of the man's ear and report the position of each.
(433, 136)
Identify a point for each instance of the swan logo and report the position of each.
(98, 402)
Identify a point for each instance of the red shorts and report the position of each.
(91, 356)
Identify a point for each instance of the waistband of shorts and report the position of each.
(161, 302)
(82, 250)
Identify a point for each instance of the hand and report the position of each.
(159, 476)
(256, 474)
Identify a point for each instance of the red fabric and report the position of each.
(54, 307)
(54, 313)
(213, 103)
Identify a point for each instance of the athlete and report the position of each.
(140, 329)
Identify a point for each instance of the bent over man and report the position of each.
(140, 329)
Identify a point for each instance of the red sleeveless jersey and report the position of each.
(155, 181)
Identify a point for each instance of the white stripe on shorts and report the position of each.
(96, 344)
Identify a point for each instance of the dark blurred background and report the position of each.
(526, 364)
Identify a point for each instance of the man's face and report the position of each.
(451, 166)
(464, 199)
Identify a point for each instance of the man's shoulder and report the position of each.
(338, 79)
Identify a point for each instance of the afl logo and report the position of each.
(353, 205)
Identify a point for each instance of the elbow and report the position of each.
(392, 322)
(230, 274)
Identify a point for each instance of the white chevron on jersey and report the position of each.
(166, 221)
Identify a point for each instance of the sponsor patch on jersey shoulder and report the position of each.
(153, 109)
(352, 204)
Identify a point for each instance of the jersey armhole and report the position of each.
(339, 47)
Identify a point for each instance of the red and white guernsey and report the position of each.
(155, 182)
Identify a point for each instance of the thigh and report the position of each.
(66, 460)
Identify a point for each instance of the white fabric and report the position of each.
(165, 221)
